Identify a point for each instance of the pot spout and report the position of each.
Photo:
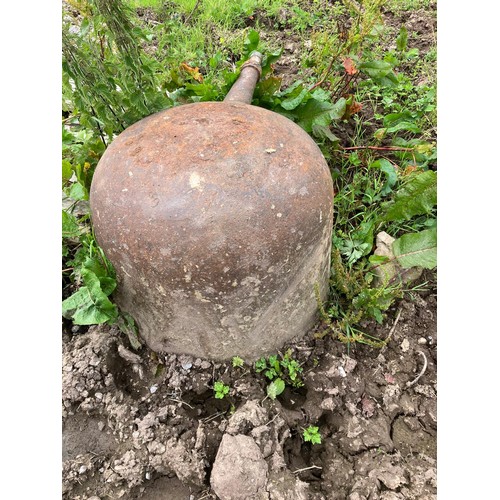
(242, 90)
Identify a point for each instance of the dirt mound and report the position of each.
(142, 425)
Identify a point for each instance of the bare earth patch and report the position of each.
(148, 426)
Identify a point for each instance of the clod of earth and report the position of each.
(239, 471)
(377, 435)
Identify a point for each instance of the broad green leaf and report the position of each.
(78, 192)
(402, 125)
(418, 196)
(392, 120)
(338, 110)
(417, 249)
(275, 388)
(67, 139)
(377, 314)
(402, 39)
(293, 102)
(251, 42)
(269, 59)
(375, 69)
(388, 168)
(70, 226)
(267, 87)
(108, 285)
(89, 305)
(96, 265)
(81, 308)
(316, 113)
(293, 89)
(206, 91)
(67, 171)
(412, 53)
(321, 131)
(380, 72)
(321, 94)
(92, 281)
(389, 80)
(81, 298)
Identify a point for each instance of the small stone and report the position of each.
(75, 329)
(187, 366)
(153, 389)
(342, 372)
(101, 426)
(98, 395)
(129, 356)
(148, 476)
(405, 345)
(82, 470)
(422, 341)
(94, 360)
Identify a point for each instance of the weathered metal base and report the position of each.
(217, 217)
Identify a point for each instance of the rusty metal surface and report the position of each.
(217, 217)
(243, 88)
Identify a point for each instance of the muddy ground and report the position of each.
(148, 426)
(140, 425)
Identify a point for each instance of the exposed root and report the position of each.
(386, 341)
(307, 468)
(413, 382)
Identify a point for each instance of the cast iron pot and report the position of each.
(217, 217)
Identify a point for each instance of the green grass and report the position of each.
(406, 5)
(145, 3)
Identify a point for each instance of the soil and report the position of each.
(141, 425)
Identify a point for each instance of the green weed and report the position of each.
(312, 435)
(221, 390)
(281, 370)
(237, 362)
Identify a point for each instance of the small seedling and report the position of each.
(220, 390)
(286, 369)
(237, 362)
(275, 388)
(312, 435)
